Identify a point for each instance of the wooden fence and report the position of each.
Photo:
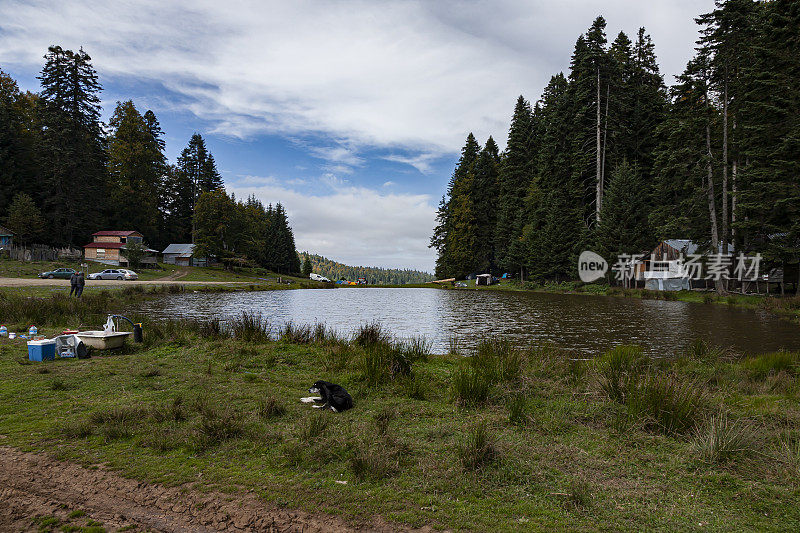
(37, 252)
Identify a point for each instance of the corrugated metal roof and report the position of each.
(179, 249)
(689, 247)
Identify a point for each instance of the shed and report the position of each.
(483, 279)
(183, 255)
(6, 237)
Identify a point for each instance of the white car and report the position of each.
(115, 273)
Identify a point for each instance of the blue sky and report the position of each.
(350, 113)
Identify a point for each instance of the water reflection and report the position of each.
(585, 323)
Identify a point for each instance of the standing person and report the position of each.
(81, 283)
(73, 283)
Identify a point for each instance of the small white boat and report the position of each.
(103, 340)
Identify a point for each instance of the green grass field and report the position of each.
(502, 440)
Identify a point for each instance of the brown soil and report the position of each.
(35, 485)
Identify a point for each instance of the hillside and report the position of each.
(374, 275)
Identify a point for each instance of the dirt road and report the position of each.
(36, 282)
(35, 488)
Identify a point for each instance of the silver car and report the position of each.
(115, 273)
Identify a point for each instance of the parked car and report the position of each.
(115, 273)
(130, 275)
(59, 273)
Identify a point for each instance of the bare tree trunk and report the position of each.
(725, 166)
(605, 144)
(712, 208)
(598, 163)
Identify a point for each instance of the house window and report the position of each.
(101, 253)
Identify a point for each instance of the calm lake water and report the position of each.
(589, 324)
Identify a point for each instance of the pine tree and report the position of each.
(485, 185)
(17, 139)
(136, 166)
(194, 174)
(624, 226)
(514, 178)
(455, 234)
(25, 219)
(71, 149)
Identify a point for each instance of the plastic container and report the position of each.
(32, 331)
(3, 331)
(42, 350)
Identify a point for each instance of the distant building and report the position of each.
(6, 238)
(665, 268)
(183, 255)
(108, 247)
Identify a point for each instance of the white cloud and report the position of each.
(410, 78)
(353, 225)
(417, 75)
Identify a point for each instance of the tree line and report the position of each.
(611, 159)
(374, 275)
(64, 174)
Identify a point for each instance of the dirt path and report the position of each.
(36, 282)
(180, 273)
(35, 485)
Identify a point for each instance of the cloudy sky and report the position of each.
(350, 113)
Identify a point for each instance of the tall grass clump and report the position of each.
(371, 334)
(454, 345)
(470, 385)
(516, 410)
(666, 403)
(386, 361)
(269, 408)
(477, 449)
(619, 370)
(720, 439)
(373, 463)
(494, 361)
(250, 327)
(218, 425)
(767, 364)
(297, 334)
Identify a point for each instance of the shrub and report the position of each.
(477, 450)
(719, 439)
(619, 370)
(665, 403)
(270, 408)
(767, 364)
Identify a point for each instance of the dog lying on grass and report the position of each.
(331, 396)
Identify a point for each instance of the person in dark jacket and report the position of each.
(73, 283)
(81, 283)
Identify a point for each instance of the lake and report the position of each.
(587, 324)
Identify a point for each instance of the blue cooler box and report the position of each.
(42, 350)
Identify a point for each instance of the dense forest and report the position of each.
(611, 159)
(374, 275)
(64, 175)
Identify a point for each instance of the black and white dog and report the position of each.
(332, 397)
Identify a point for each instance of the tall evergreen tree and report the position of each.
(71, 149)
(136, 166)
(516, 173)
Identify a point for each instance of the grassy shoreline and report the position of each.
(503, 440)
